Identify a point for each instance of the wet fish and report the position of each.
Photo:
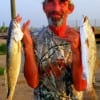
(15, 36)
(89, 53)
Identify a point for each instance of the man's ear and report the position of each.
(71, 8)
(43, 6)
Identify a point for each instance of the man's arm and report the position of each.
(77, 70)
(30, 65)
(30, 68)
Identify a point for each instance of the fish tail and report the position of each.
(90, 95)
(97, 65)
(8, 97)
(9, 94)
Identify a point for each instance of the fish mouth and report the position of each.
(85, 18)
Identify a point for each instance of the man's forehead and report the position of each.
(59, 0)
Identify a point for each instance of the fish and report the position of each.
(13, 59)
(88, 55)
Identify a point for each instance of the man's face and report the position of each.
(56, 11)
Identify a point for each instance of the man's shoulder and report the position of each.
(39, 34)
(73, 30)
(74, 36)
(38, 31)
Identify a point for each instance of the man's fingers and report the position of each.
(18, 18)
(26, 25)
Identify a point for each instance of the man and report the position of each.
(52, 53)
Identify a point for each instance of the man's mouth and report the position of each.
(55, 15)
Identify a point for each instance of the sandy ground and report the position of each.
(24, 92)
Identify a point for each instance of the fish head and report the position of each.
(16, 32)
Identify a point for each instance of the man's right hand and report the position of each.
(27, 39)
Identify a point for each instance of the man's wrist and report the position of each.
(28, 48)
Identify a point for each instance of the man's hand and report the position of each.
(27, 39)
(18, 19)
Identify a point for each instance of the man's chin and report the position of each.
(55, 21)
(55, 18)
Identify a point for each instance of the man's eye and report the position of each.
(49, 1)
(62, 1)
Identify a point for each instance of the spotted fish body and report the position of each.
(13, 57)
(89, 51)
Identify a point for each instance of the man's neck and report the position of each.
(59, 30)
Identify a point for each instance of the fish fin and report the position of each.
(90, 95)
(96, 68)
(18, 46)
(87, 42)
(8, 93)
(97, 62)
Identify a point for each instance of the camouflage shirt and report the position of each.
(54, 58)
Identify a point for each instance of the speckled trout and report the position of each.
(89, 52)
(15, 36)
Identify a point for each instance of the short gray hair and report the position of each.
(71, 1)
